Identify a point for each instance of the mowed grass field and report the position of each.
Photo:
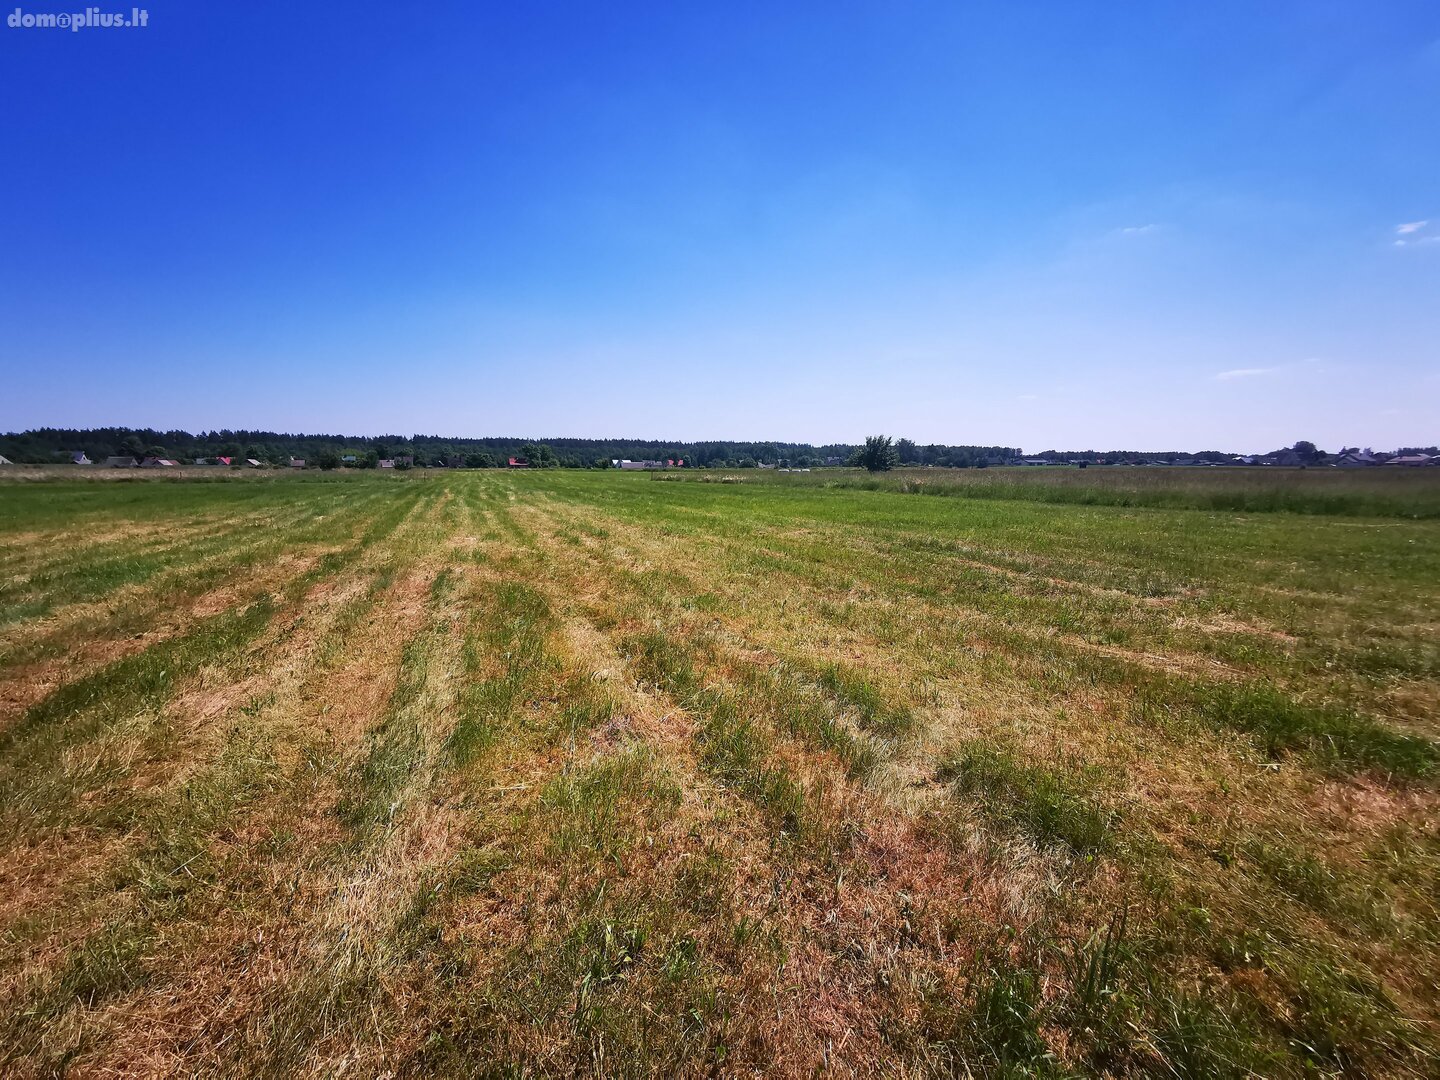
(552, 773)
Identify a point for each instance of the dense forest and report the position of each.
(45, 445)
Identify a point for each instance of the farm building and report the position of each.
(120, 462)
(78, 458)
(385, 463)
(297, 463)
(1413, 460)
(159, 463)
(625, 464)
(517, 463)
(5, 460)
(253, 463)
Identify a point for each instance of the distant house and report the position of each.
(5, 460)
(78, 457)
(348, 459)
(385, 463)
(517, 463)
(627, 464)
(202, 461)
(159, 463)
(120, 462)
(1412, 460)
(223, 460)
(404, 461)
(297, 463)
(1354, 459)
(253, 463)
(1287, 458)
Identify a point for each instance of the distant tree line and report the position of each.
(1304, 452)
(45, 445)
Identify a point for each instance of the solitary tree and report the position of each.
(539, 456)
(877, 455)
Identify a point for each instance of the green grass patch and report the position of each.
(1048, 807)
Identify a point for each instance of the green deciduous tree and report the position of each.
(539, 456)
(877, 455)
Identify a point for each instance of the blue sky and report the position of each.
(1058, 225)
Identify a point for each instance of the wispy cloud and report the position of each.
(1139, 230)
(1408, 234)
(1243, 373)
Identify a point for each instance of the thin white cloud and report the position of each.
(1242, 373)
(1410, 227)
(1138, 230)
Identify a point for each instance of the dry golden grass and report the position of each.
(476, 774)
